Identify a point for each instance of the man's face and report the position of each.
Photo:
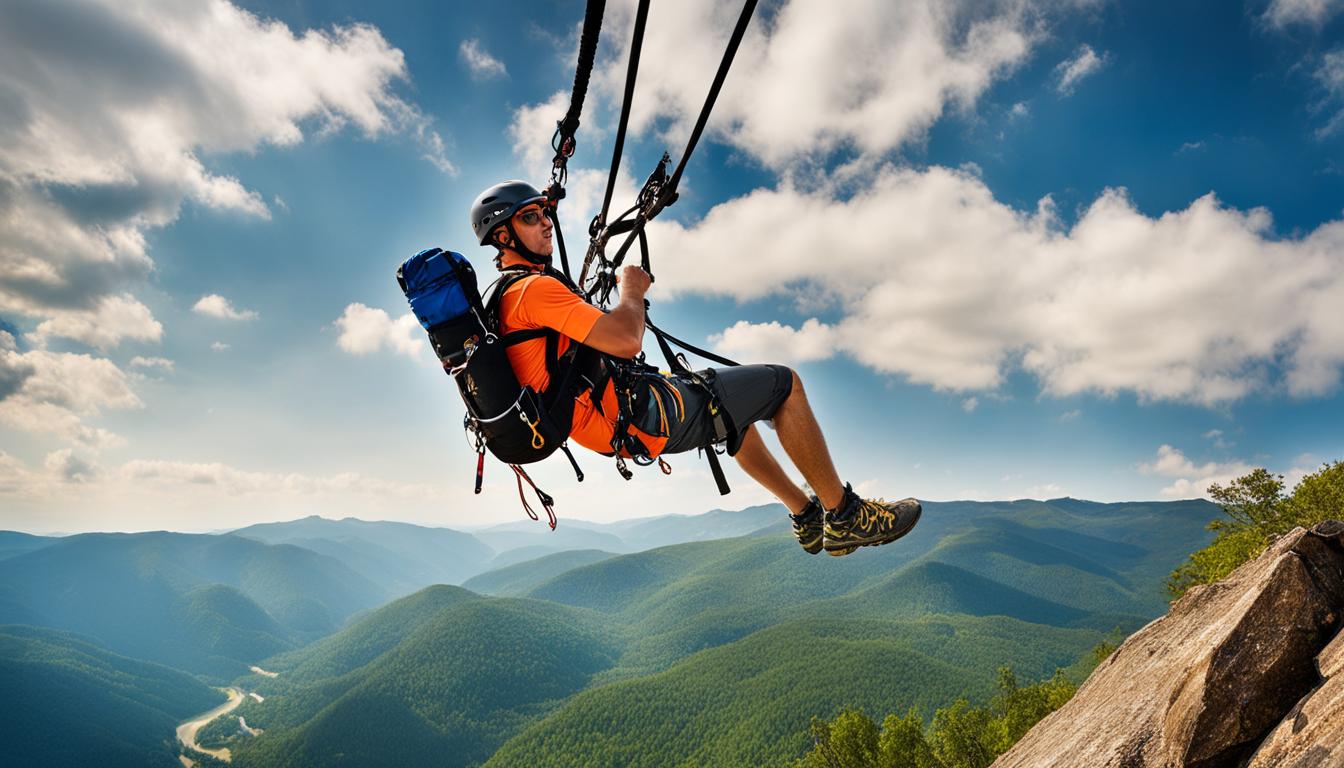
(534, 229)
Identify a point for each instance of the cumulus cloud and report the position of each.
(818, 76)
(220, 346)
(1084, 62)
(483, 66)
(239, 482)
(110, 321)
(53, 393)
(939, 282)
(215, 305)
(70, 468)
(106, 111)
(365, 330)
(970, 404)
(775, 341)
(531, 130)
(1283, 13)
(1190, 480)
(161, 363)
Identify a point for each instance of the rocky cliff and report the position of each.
(1245, 672)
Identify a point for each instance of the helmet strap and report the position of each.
(518, 247)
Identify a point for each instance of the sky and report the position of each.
(1015, 248)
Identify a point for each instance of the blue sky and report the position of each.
(1067, 247)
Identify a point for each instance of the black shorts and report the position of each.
(746, 393)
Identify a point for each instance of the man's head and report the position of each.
(512, 216)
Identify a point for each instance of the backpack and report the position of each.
(515, 423)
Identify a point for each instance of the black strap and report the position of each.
(631, 73)
(725, 64)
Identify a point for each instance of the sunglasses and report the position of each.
(532, 216)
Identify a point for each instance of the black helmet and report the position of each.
(497, 205)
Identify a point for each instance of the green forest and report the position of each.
(739, 651)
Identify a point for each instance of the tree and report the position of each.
(1257, 512)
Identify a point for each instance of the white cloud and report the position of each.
(1282, 13)
(220, 346)
(1330, 74)
(52, 393)
(107, 113)
(531, 130)
(1190, 480)
(483, 66)
(970, 404)
(238, 482)
(777, 342)
(365, 330)
(937, 281)
(1019, 111)
(70, 468)
(1069, 416)
(215, 305)
(1085, 62)
(819, 76)
(112, 320)
(162, 363)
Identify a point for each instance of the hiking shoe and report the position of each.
(808, 526)
(864, 522)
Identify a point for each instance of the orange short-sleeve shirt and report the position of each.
(544, 302)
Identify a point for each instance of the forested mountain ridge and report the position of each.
(700, 636)
(400, 557)
(206, 604)
(71, 702)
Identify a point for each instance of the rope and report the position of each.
(659, 190)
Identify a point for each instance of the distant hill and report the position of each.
(14, 543)
(522, 540)
(71, 702)
(459, 674)
(399, 557)
(520, 578)
(1042, 561)
(206, 604)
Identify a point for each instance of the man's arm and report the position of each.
(620, 332)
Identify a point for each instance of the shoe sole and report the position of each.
(874, 541)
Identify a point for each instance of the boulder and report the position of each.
(1206, 684)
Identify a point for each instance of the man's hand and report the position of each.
(620, 332)
(633, 281)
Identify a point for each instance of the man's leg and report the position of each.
(757, 461)
(801, 437)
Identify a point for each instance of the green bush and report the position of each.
(1258, 512)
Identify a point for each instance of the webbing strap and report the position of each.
(719, 77)
(631, 73)
(667, 188)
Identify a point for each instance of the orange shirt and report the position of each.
(544, 302)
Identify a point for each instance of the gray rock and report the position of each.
(1204, 685)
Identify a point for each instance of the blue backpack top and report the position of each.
(441, 288)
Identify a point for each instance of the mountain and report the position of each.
(520, 578)
(449, 688)
(522, 540)
(14, 543)
(1034, 559)
(71, 702)
(401, 558)
(206, 604)
(747, 703)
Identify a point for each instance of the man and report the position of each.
(677, 411)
